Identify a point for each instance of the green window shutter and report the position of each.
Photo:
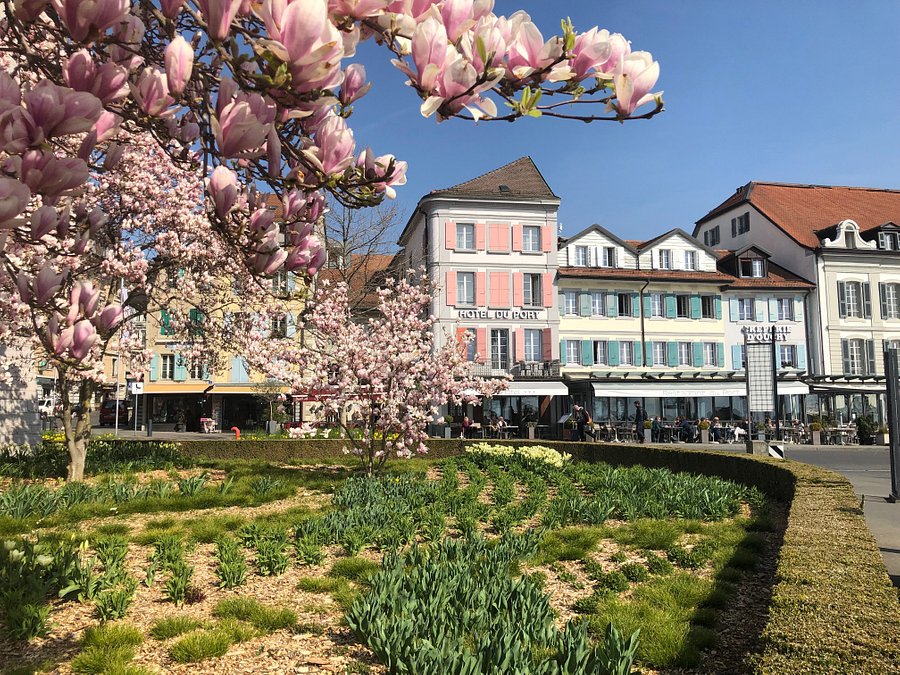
(180, 369)
(845, 355)
(648, 308)
(760, 309)
(842, 300)
(672, 349)
(613, 352)
(648, 354)
(154, 368)
(206, 374)
(612, 304)
(562, 352)
(165, 322)
(585, 304)
(720, 355)
(587, 353)
(671, 308)
(718, 303)
(635, 305)
(773, 310)
(733, 310)
(638, 353)
(867, 300)
(801, 357)
(736, 357)
(697, 348)
(798, 308)
(695, 307)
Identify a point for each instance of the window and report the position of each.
(743, 357)
(709, 354)
(532, 290)
(888, 241)
(597, 303)
(854, 300)
(465, 236)
(690, 260)
(197, 371)
(533, 348)
(608, 258)
(465, 288)
(752, 268)
(665, 259)
(683, 306)
(659, 353)
(280, 283)
(624, 304)
(745, 309)
(785, 309)
(167, 370)
(601, 352)
(531, 239)
(854, 357)
(573, 352)
(708, 306)
(890, 301)
(279, 326)
(740, 224)
(626, 353)
(684, 354)
(499, 348)
(787, 356)
(850, 240)
(581, 256)
(470, 345)
(570, 303)
(711, 236)
(139, 333)
(657, 306)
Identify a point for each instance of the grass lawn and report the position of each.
(481, 562)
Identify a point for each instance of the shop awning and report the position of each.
(535, 389)
(671, 388)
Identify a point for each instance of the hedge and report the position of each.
(832, 609)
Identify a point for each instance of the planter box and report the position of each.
(531, 431)
(816, 437)
(883, 438)
(648, 435)
(704, 435)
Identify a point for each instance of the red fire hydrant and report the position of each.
(237, 433)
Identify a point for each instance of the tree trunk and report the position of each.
(77, 455)
(76, 422)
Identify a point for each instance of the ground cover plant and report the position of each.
(608, 566)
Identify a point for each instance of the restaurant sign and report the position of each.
(765, 333)
(501, 314)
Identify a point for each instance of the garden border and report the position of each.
(833, 608)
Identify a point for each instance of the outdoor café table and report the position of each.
(506, 430)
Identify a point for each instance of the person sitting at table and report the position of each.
(656, 430)
(492, 425)
(502, 429)
(716, 430)
(770, 427)
(740, 429)
(466, 427)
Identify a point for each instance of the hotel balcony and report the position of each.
(521, 370)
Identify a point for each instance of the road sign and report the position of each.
(136, 388)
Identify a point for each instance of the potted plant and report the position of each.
(648, 431)
(882, 437)
(532, 427)
(568, 429)
(815, 431)
(448, 421)
(760, 431)
(865, 430)
(704, 431)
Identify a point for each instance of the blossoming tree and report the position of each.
(243, 95)
(382, 380)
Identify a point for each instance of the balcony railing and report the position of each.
(521, 370)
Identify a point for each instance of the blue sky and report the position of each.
(803, 92)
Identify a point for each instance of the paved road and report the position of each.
(869, 470)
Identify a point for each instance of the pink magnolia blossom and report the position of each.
(636, 75)
(47, 282)
(334, 145)
(109, 318)
(357, 9)
(223, 188)
(354, 86)
(218, 15)
(43, 221)
(58, 111)
(29, 10)
(107, 81)
(14, 196)
(46, 174)
(171, 8)
(84, 337)
(152, 92)
(84, 298)
(179, 62)
(83, 16)
(243, 125)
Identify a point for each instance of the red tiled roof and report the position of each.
(640, 275)
(778, 277)
(365, 274)
(802, 210)
(521, 178)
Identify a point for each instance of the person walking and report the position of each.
(640, 416)
(580, 421)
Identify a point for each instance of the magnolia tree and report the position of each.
(243, 95)
(383, 380)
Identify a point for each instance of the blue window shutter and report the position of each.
(671, 308)
(760, 307)
(695, 306)
(584, 300)
(612, 304)
(180, 369)
(733, 309)
(697, 348)
(801, 357)
(154, 368)
(647, 305)
(562, 352)
(736, 357)
(613, 352)
(798, 308)
(638, 353)
(773, 310)
(238, 370)
(206, 374)
(720, 355)
(291, 282)
(635, 305)
(587, 352)
(672, 348)
(648, 354)
(718, 304)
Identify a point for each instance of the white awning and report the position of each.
(785, 388)
(535, 389)
(670, 388)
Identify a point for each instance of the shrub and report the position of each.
(530, 454)
(173, 626)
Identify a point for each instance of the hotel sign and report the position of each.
(502, 314)
(765, 333)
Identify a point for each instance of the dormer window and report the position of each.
(889, 241)
(608, 257)
(850, 239)
(665, 259)
(752, 268)
(581, 256)
(690, 260)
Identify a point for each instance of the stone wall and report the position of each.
(20, 421)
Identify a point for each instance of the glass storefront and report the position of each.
(726, 408)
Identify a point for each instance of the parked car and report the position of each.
(46, 407)
(108, 413)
